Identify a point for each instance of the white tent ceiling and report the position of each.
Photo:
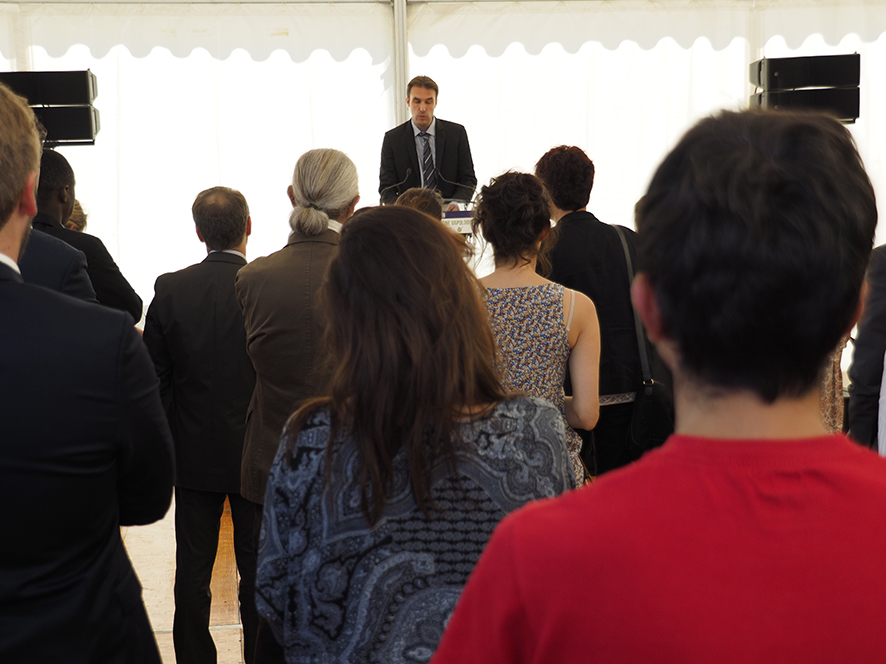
(194, 95)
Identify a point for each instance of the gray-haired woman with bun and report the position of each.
(277, 296)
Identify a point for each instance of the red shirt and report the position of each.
(704, 551)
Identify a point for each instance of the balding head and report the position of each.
(221, 216)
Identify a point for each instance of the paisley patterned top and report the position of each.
(533, 346)
(335, 590)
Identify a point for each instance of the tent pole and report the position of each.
(401, 66)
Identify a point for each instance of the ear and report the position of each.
(291, 197)
(199, 234)
(27, 201)
(544, 234)
(64, 193)
(646, 303)
(248, 226)
(352, 207)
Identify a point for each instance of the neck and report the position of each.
(51, 211)
(240, 247)
(557, 214)
(741, 414)
(514, 274)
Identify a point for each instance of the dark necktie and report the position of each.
(427, 162)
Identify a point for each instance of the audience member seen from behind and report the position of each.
(85, 449)
(55, 202)
(866, 370)
(424, 200)
(194, 332)
(385, 491)
(748, 536)
(277, 295)
(589, 257)
(539, 326)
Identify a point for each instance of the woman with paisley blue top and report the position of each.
(385, 491)
(539, 326)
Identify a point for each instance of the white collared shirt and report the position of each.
(228, 251)
(420, 146)
(6, 260)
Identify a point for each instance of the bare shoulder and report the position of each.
(584, 307)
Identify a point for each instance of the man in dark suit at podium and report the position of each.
(84, 449)
(426, 151)
(195, 333)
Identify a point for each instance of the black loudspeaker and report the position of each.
(68, 125)
(843, 104)
(53, 88)
(62, 101)
(827, 83)
(825, 71)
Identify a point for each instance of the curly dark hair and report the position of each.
(512, 212)
(568, 175)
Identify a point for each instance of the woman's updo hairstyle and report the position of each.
(512, 212)
(324, 184)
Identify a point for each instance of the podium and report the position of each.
(459, 221)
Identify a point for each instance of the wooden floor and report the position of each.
(152, 550)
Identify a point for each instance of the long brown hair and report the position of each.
(412, 352)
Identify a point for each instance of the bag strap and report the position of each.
(638, 326)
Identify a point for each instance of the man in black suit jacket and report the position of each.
(588, 257)
(85, 449)
(54, 264)
(866, 370)
(55, 200)
(195, 333)
(426, 151)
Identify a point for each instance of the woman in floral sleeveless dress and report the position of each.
(539, 326)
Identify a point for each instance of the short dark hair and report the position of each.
(755, 233)
(422, 82)
(424, 200)
(568, 175)
(55, 173)
(220, 214)
(511, 213)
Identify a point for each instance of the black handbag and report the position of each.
(652, 419)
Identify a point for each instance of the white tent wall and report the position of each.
(622, 80)
(196, 95)
(193, 97)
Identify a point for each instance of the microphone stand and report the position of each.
(457, 186)
(393, 186)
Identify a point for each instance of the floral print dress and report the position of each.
(533, 346)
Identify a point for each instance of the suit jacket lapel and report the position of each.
(440, 140)
(409, 141)
(8, 274)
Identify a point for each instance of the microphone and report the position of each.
(387, 189)
(457, 185)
